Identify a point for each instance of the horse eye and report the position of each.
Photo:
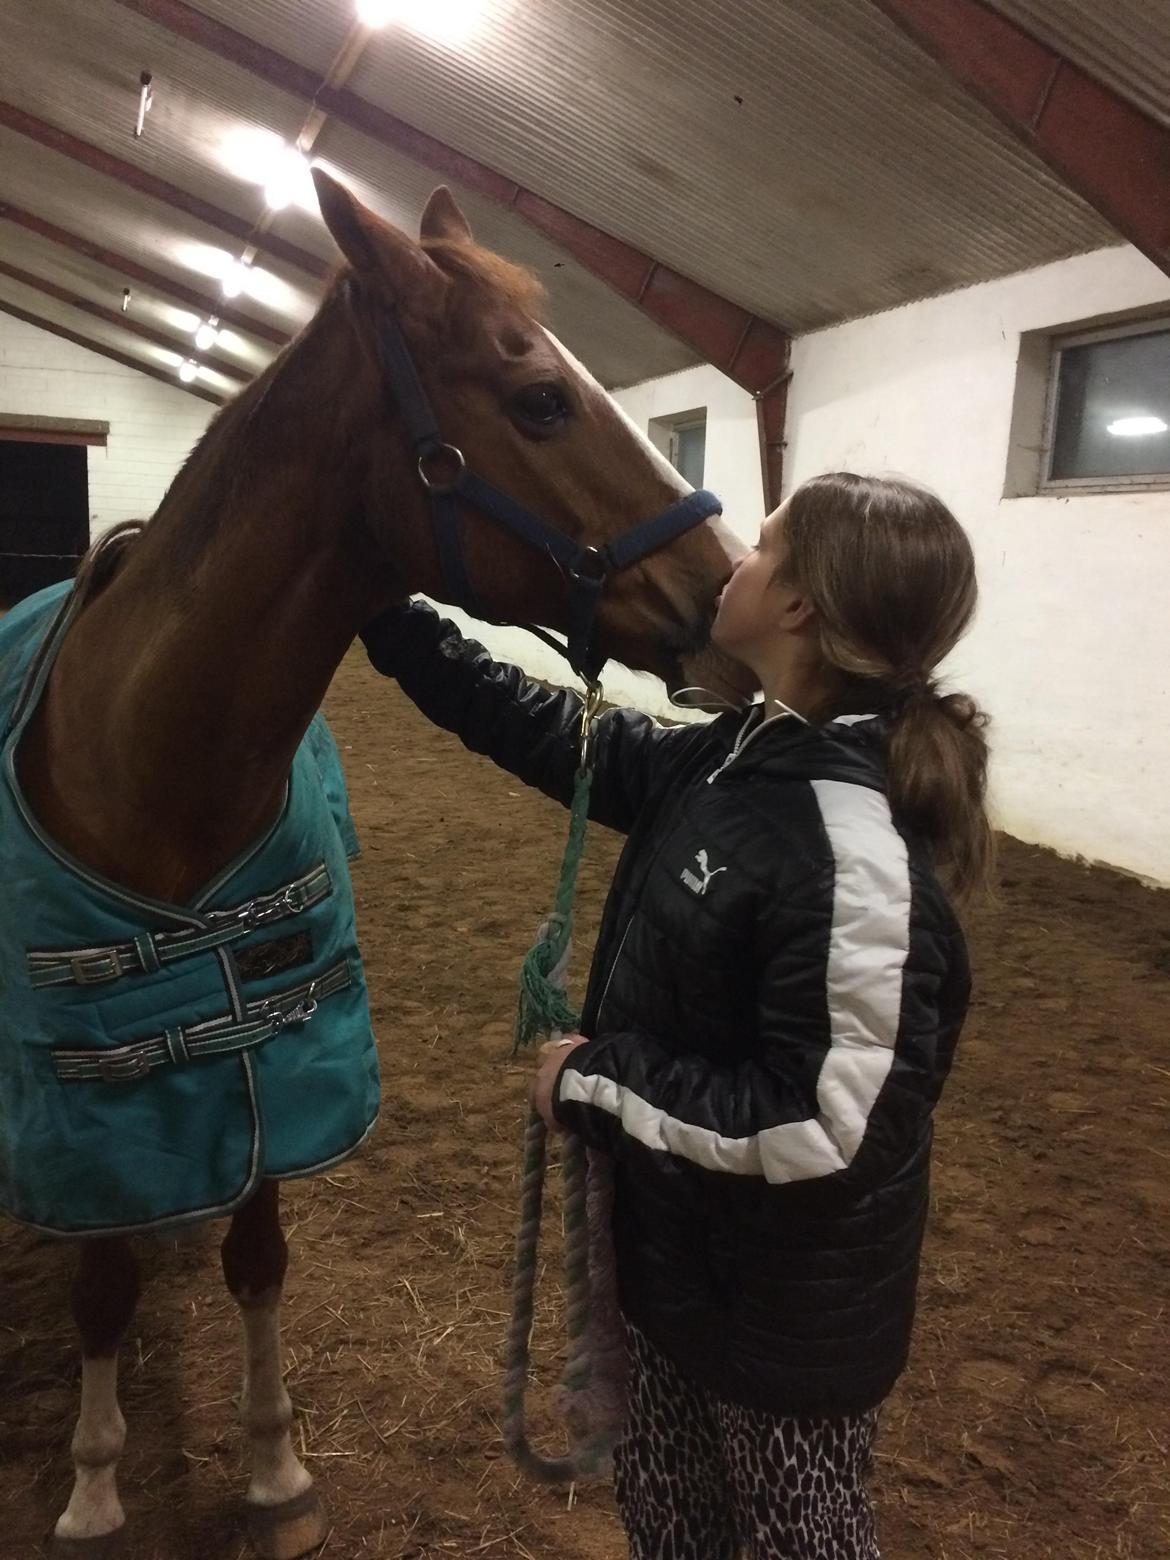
(542, 406)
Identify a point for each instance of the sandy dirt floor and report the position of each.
(1033, 1423)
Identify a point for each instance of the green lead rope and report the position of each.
(544, 1009)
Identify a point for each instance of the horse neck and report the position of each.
(189, 681)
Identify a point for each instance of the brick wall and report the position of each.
(152, 427)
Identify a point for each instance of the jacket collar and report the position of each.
(849, 746)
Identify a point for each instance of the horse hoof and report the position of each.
(106, 1546)
(296, 1527)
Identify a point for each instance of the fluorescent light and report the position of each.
(448, 20)
(375, 13)
(287, 179)
(188, 370)
(206, 334)
(1137, 427)
(234, 279)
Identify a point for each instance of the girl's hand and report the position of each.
(552, 1059)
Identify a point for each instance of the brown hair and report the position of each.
(892, 575)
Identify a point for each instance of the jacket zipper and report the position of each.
(612, 969)
(743, 740)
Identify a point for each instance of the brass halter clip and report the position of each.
(587, 735)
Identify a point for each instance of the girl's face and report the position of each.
(752, 605)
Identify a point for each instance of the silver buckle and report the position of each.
(300, 1014)
(90, 969)
(120, 1069)
(258, 912)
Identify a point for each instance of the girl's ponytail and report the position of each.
(892, 576)
(937, 758)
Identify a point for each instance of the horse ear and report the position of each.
(370, 245)
(442, 218)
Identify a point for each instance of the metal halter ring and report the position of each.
(449, 452)
(589, 566)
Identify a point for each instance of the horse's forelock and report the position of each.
(510, 284)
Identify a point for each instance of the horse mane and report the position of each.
(486, 275)
(213, 477)
(103, 558)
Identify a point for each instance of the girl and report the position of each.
(776, 993)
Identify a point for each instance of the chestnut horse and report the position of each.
(163, 741)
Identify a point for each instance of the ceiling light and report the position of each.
(188, 370)
(145, 102)
(1137, 427)
(207, 334)
(449, 20)
(234, 279)
(287, 179)
(375, 13)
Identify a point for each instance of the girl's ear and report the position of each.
(802, 612)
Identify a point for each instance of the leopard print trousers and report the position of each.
(700, 1479)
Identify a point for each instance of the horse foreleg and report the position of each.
(105, 1292)
(285, 1515)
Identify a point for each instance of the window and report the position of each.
(1109, 416)
(683, 440)
(688, 449)
(1092, 409)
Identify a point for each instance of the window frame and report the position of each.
(1058, 344)
(687, 425)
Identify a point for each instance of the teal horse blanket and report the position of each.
(157, 1060)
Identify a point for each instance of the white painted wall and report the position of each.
(152, 427)
(1071, 652)
(733, 447)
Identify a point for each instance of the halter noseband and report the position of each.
(443, 472)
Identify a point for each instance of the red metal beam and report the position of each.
(160, 338)
(158, 189)
(749, 350)
(771, 415)
(202, 303)
(1111, 153)
(108, 352)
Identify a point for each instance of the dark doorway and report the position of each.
(44, 515)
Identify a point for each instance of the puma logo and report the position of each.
(700, 885)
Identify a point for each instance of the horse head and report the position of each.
(514, 406)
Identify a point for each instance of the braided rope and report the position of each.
(544, 1008)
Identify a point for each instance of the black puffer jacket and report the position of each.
(777, 989)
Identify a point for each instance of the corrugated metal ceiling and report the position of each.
(800, 157)
(117, 217)
(101, 334)
(89, 280)
(310, 33)
(804, 158)
(1124, 42)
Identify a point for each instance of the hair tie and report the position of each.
(914, 686)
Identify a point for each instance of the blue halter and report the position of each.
(443, 472)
